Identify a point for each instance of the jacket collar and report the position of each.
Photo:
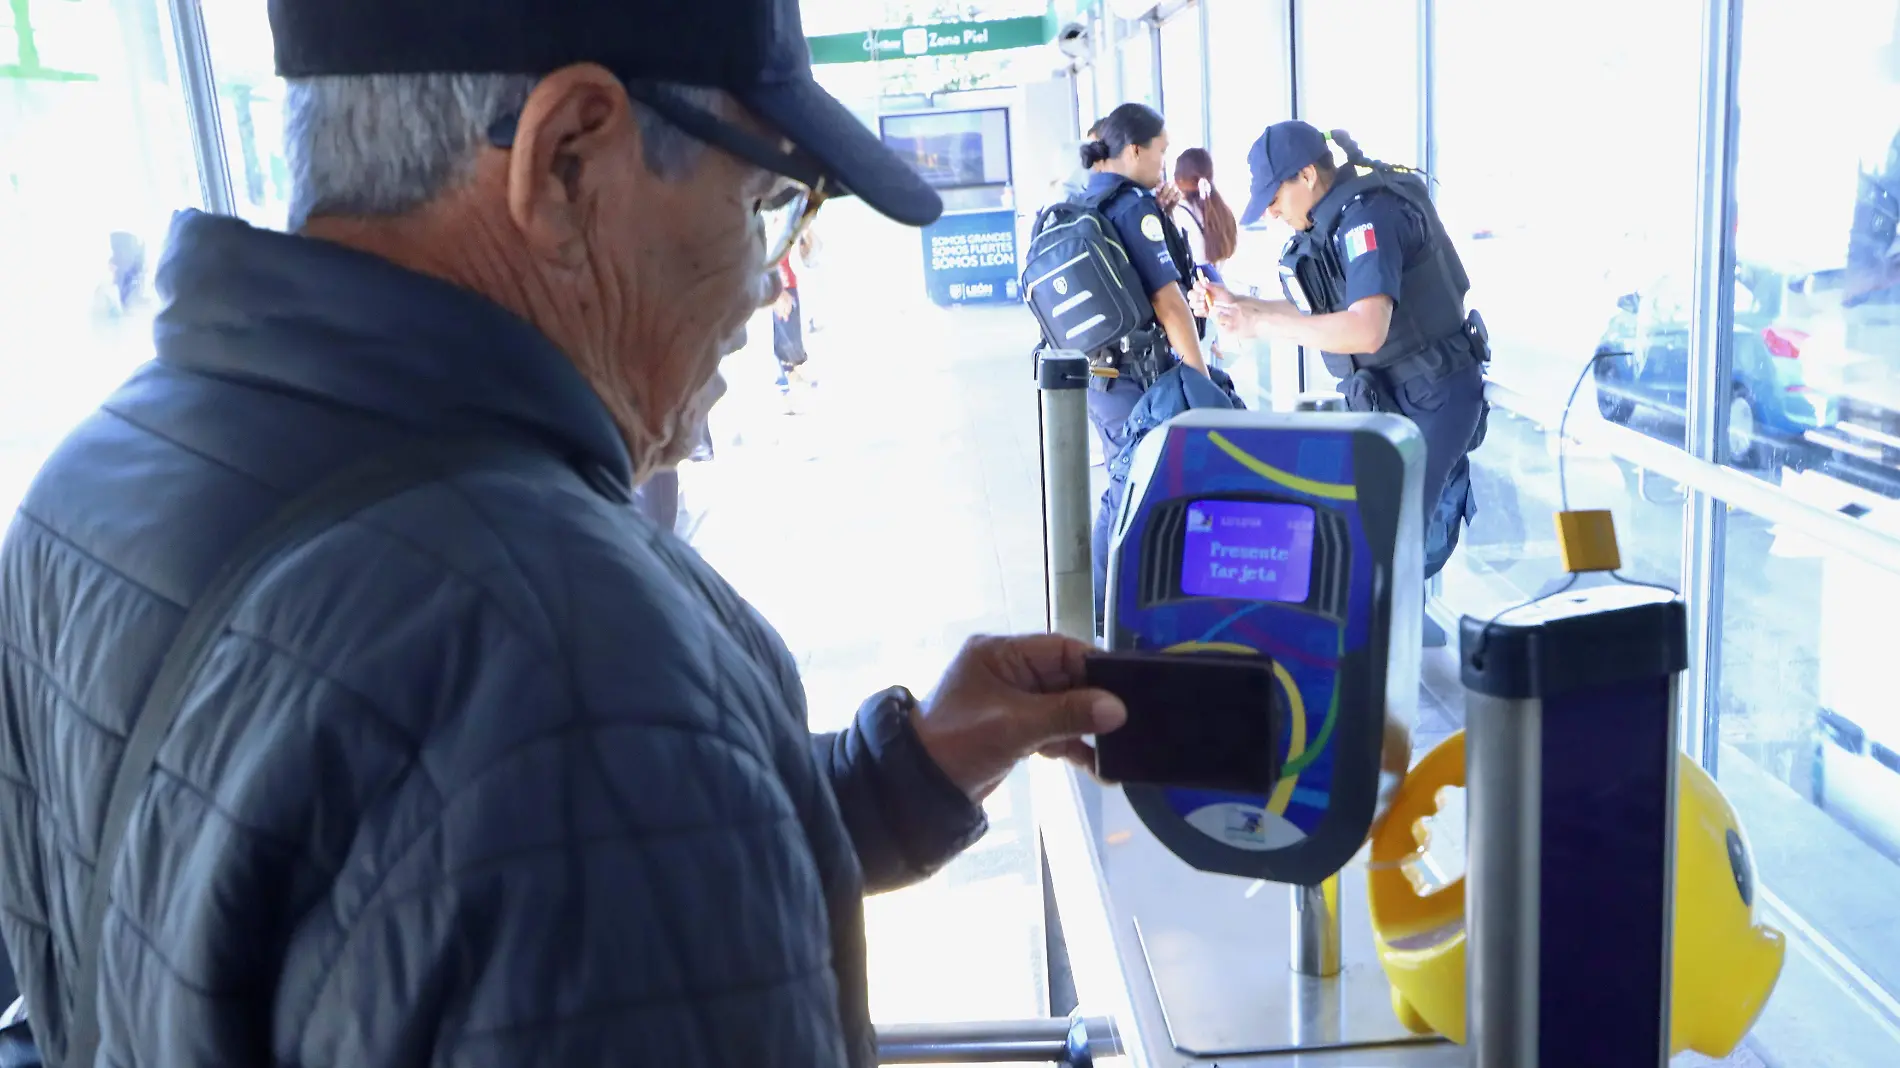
(1104, 182)
(306, 316)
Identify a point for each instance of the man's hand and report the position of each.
(1229, 312)
(1005, 698)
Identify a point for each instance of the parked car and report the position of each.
(1642, 368)
(1856, 777)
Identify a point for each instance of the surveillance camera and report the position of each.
(1073, 39)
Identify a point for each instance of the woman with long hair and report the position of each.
(1205, 220)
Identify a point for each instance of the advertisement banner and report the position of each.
(970, 258)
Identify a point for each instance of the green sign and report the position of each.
(937, 39)
(24, 62)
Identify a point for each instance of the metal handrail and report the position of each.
(1723, 483)
(1075, 1041)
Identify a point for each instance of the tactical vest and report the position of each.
(1146, 355)
(1432, 291)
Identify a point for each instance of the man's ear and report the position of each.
(571, 128)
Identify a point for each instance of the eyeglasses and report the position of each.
(788, 214)
(788, 209)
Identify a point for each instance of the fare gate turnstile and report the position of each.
(1235, 930)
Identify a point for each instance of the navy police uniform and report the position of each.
(1160, 257)
(1376, 233)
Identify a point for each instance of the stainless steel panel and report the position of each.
(1503, 775)
(1218, 954)
(1316, 927)
(1065, 495)
(990, 1042)
(1107, 869)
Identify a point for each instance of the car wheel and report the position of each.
(1613, 407)
(1744, 449)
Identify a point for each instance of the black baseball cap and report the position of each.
(753, 49)
(1282, 152)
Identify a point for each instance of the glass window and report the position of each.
(1139, 84)
(1359, 73)
(1527, 186)
(1085, 108)
(1181, 94)
(1815, 378)
(251, 105)
(1806, 727)
(1250, 89)
(1805, 732)
(1508, 553)
(1550, 246)
(95, 155)
(1246, 60)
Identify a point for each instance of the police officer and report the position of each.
(1127, 161)
(1373, 282)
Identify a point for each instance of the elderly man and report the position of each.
(491, 772)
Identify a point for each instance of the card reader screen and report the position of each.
(1248, 550)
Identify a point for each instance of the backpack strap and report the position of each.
(333, 500)
(1098, 202)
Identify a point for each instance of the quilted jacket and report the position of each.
(493, 773)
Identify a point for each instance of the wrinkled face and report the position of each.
(1293, 205)
(685, 248)
(650, 250)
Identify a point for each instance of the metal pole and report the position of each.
(1428, 93)
(1063, 379)
(1316, 929)
(1503, 772)
(201, 106)
(1711, 344)
(1293, 79)
(1294, 102)
(1154, 61)
(1207, 77)
(1075, 1041)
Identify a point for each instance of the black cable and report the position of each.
(1563, 491)
(1484, 636)
(1620, 577)
(1563, 422)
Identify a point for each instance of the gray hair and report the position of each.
(386, 144)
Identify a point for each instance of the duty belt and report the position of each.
(1138, 358)
(1442, 356)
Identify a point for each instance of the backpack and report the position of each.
(1078, 281)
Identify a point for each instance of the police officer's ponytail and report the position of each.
(1354, 154)
(1093, 152)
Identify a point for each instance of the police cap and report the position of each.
(1282, 152)
(753, 49)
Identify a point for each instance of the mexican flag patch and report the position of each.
(1359, 241)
